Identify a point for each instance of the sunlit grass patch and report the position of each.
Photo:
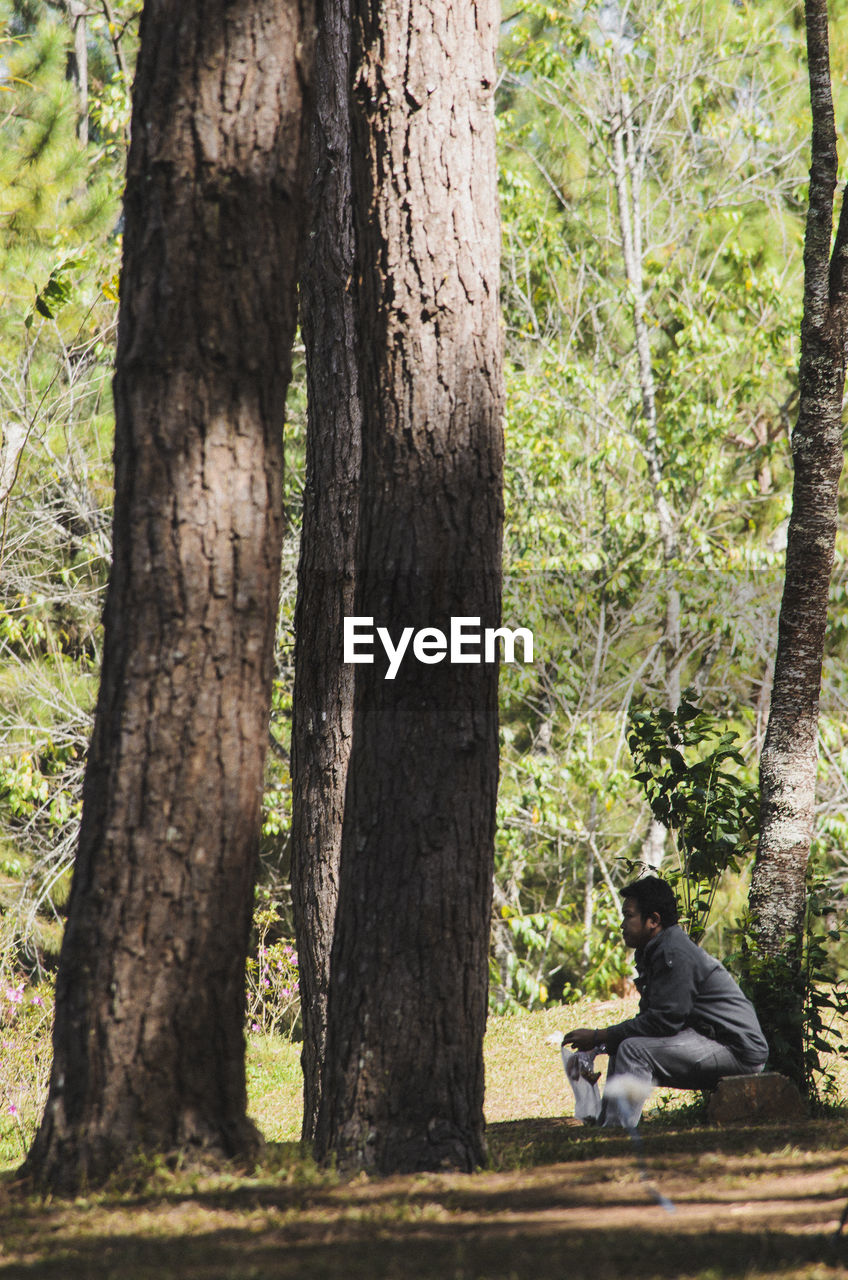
(274, 1086)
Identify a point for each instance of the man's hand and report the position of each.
(582, 1038)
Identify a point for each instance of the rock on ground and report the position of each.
(769, 1096)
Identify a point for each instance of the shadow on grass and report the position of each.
(566, 1203)
(517, 1144)
(438, 1252)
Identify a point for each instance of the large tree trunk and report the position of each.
(403, 1079)
(323, 685)
(148, 1041)
(788, 762)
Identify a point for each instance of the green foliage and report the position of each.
(542, 843)
(51, 194)
(689, 768)
(533, 935)
(610, 971)
(710, 102)
(723, 325)
(109, 114)
(28, 787)
(59, 202)
(800, 999)
(56, 293)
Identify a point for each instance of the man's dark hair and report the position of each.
(653, 894)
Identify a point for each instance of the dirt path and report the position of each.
(753, 1203)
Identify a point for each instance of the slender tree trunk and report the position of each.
(148, 1041)
(78, 63)
(403, 1076)
(589, 890)
(323, 686)
(788, 761)
(116, 37)
(627, 178)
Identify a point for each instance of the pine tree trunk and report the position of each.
(323, 686)
(403, 1079)
(788, 762)
(148, 1041)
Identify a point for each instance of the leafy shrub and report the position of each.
(692, 774)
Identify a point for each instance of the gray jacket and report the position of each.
(681, 986)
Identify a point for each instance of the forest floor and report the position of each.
(558, 1200)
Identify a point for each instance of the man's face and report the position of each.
(636, 930)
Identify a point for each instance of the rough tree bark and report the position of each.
(788, 761)
(148, 1041)
(323, 685)
(403, 1077)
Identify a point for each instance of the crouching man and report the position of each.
(694, 1025)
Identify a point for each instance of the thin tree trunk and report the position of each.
(148, 1040)
(323, 686)
(78, 63)
(117, 42)
(403, 1079)
(627, 179)
(788, 761)
(589, 889)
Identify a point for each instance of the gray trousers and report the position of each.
(687, 1060)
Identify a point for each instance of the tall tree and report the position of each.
(323, 685)
(788, 761)
(402, 1086)
(148, 1040)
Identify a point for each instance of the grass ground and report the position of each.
(558, 1200)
